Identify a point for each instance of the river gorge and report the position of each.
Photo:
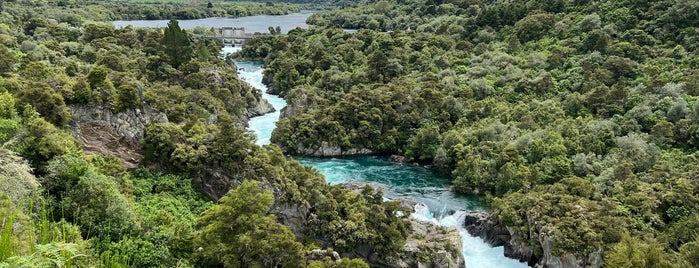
(397, 180)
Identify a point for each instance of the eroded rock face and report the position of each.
(427, 245)
(320, 254)
(479, 224)
(485, 226)
(299, 103)
(433, 246)
(261, 107)
(104, 132)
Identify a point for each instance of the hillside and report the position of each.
(126, 148)
(578, 120)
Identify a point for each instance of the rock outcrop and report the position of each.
(398, 159)
(486, 226)
(261, 107)
(320, 254)
(428, 245)
(299, 101)
(432, 246)
(482, 225)
(104, 132)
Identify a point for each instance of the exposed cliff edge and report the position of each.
(428, 245)
(486, 226)
(104, 132)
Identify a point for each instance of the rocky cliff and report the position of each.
(104, 132)
(428, 245)
(486, 226)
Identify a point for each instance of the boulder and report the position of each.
(261, 107)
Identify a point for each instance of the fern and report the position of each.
(48, 255)
(6, 238)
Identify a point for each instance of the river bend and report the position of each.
(398, 180)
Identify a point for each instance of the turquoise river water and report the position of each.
(398, 180)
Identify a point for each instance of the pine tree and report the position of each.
(176, 44)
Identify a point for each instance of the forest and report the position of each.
(578, 120)
(64, 205)
(74, 12)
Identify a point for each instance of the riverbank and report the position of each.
(443, 207)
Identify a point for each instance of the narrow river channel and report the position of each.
(398, 180)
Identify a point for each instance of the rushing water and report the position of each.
(252, 24)
(398, 180)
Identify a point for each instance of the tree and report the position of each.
(46, 101)
(88, 198)
(424, 145)
(176, 44)
(533, 26)
(238, 232)
(8, 60)
(377, 63)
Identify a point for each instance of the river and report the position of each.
(398, 180)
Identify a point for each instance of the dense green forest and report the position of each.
(579, 120)
(74, 12)
(61, 206)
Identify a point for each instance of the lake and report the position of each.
(251, 24)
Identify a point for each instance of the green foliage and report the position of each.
(512, 99)
(633, 252)
(49, 255)
(553, 213)
(46, 101)
(176, 44)
(16, 178)
(354, 220)
(423, 146)
(533, 27)
(7, 106)
(90, 199)
(238, 232)
(343, 263)
(41, 141)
